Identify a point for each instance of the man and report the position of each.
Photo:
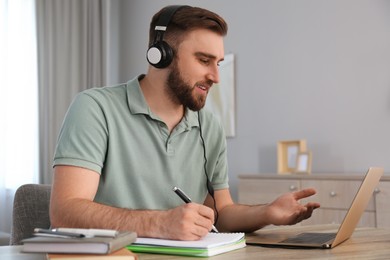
(122, 149)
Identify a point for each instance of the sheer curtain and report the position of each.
(73, 43)
(18, 102)
(70, 40)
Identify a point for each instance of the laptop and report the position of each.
(321, 239)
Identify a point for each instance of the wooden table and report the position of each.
(366, 243)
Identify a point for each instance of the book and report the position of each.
(121, 254)
(84, 245)
(210, 245)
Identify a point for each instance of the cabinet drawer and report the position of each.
(333, 216)
(382, 197)
(264, 191)
(335, 194)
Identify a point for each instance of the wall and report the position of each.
(318, 70)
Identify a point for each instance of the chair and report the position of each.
(30, 210)
(4, 238)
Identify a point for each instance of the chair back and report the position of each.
(30, 210)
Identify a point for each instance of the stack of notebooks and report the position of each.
(80, 247)
(212, 244)
(62, 245)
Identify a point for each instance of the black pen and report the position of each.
(54, 233)
(187, 199)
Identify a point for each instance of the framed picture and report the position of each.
(288, 154)
(303, 163)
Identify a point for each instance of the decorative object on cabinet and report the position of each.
(303, 163)
(287, 155)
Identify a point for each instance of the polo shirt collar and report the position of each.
(191, 118)
(135, 98)
(137, 104)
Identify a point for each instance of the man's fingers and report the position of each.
(304, 193)
(206, 212)
(195, 221)
(202, 216)
(312, 205)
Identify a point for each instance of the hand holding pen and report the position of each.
(187, 199)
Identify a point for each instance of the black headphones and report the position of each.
(160, 54)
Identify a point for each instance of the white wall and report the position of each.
(318, 70)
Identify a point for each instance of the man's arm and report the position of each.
(285, 210)
(72, 205)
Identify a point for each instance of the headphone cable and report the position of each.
(210, 188)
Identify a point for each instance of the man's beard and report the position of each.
(183, 93)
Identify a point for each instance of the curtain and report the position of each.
(73, 43)
(18, 102)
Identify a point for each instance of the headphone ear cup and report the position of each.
(160, 54)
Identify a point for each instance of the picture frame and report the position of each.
(303, 163)
(287, 153)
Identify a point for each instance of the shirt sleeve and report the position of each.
(83, 138)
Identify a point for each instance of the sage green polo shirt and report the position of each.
(112, 131)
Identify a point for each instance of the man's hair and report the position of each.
(186, 19)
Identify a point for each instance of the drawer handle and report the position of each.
(293, 187)
(377, 190)
(333, 194)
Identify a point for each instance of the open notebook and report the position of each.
(330, 240)
(211, 244)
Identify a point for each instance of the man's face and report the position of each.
(195, 68)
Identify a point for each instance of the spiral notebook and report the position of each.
(211, 244)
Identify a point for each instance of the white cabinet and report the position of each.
(382, 204)
(264, 191)
(335, 193)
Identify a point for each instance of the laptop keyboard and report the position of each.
(310, 238)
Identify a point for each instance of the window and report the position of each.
(18, 100)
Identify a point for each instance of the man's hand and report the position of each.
(187, 222)
(286, 209)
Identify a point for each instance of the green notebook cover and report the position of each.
(212, 244)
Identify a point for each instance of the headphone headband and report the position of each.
(166, 17)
